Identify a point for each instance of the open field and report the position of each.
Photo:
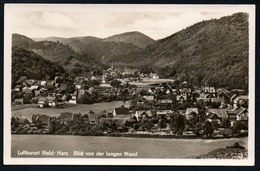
(24, 106)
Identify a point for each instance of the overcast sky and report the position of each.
(156, 21)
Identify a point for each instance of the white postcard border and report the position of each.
(8, 160)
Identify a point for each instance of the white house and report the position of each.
(73, 99)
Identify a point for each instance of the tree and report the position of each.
(97, 72)
(208, 129)
(13, 121)
(124, 94)
(225, 123)
(86, 99)
(27, 98)
(147, 124)
(179, 121)
(194, 118)
(93, 83)
(198, 129)
(161, 124)
(115, 83)
(147, 69)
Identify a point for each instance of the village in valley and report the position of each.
(152, 106)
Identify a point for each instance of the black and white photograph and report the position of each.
(99, 84)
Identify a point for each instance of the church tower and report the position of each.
(112, 65)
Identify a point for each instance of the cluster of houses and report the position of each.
(146, 89)
(164, 94)
(35, 90)
(233, 104)
(122, 114)
(158, 94)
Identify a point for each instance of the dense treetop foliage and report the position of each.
(213, 52)
(73, 62)
(29, 64)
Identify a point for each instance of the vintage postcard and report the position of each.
(98, 84)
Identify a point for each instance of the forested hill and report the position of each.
(213, 52)
(53, 51)
(21, 41)
(29, 64)
(78, 44)
(115, 47)
(136, 38)
(57, 52)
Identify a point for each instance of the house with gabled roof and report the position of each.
(18, 87)
(242, 97)
(216, 115)
(232, 98)
(240, 100)
(237, 114)
(181, 98)
(140, 114)
(242, 115)
(141, 101)
(43, 119)
(223, 92)
(31, 81)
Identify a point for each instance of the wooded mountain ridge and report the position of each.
(213, 52)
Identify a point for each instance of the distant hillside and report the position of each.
(106, 51)
(78, 44)
(56, 52)
(136, 38)
(116, 47)
(213, 52)
(21, 41)
(53, 51)
(29, 64)
(87, 39)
